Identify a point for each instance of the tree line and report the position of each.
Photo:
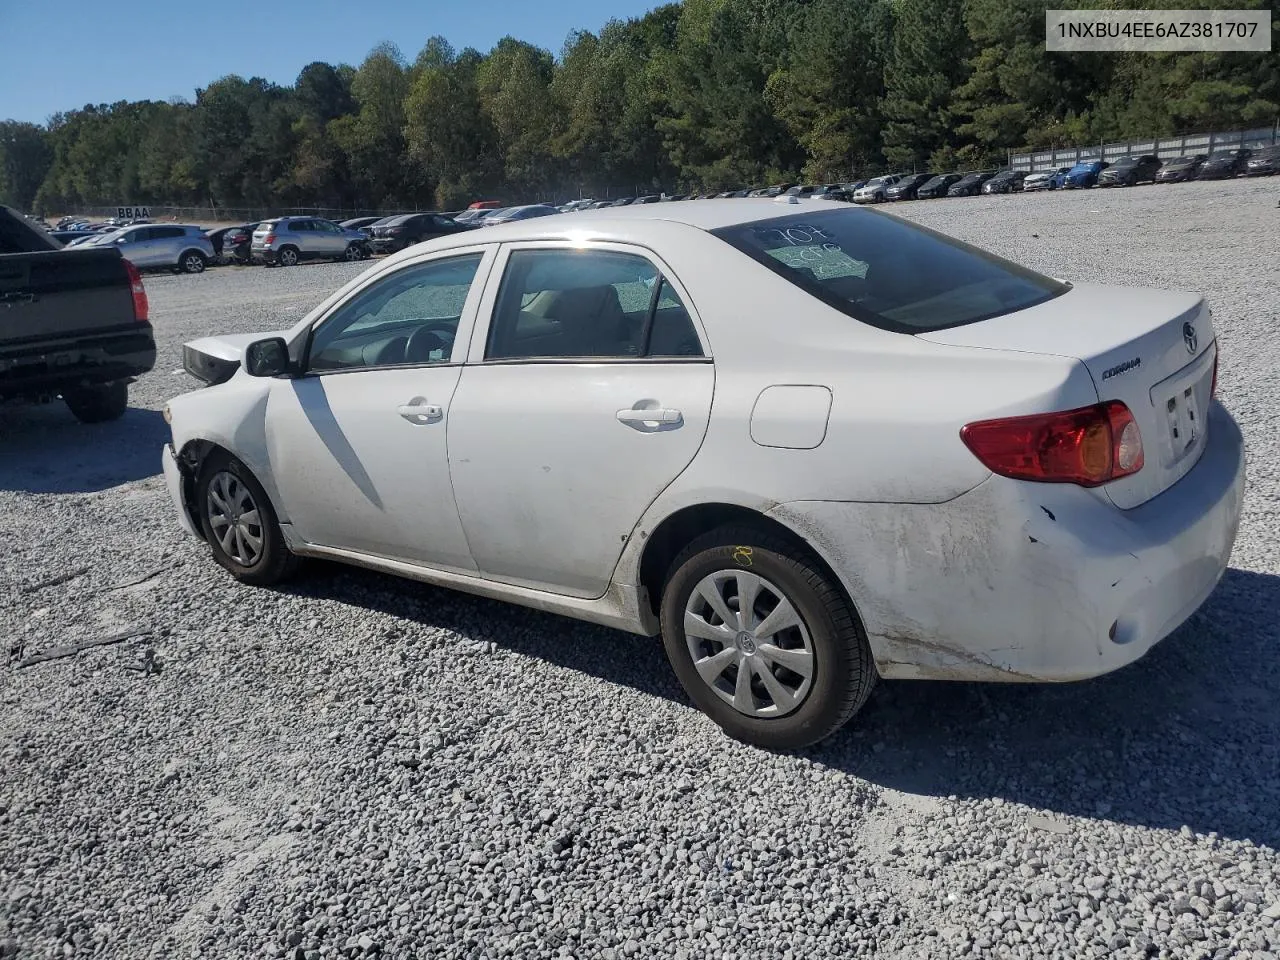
(699, 95)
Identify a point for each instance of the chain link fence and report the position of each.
(1166, 148)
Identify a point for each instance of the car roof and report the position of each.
(631, 220)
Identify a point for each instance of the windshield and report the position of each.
(888, 273)
(1125, 162)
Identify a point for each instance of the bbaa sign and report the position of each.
(133, 213)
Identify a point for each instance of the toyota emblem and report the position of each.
(1189, 337)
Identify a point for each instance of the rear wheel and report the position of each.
(287, 257)
(192, 262)
(762, 640)
(239, 523)
(98, 403)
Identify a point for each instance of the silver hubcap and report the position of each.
(353, 253)
(288, 258)
(194, 264)
(748, 643)
(234, 518)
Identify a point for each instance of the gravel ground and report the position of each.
(360, 766)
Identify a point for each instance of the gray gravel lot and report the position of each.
(361, 766)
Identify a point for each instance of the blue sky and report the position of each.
(62, 54)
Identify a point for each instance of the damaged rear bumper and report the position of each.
(1033, 582)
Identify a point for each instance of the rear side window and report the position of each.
(167, 233)
(888, 273)
(564, 304)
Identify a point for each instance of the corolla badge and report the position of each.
(1189, 337)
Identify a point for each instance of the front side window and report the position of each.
(409, 318)
(565, 304)
(888, 273)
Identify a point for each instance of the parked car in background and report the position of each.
(525, 212)
(1128, 171)
(287, 241)
(180, 247)
(874, 190)
(907, 186)
(1084, 174)
(970, 184)
(1005, 181)
(233, 244)
(731, 194)
(1045, 179)
(485, 205)
(73, 323)
(1181, 168)
(937, 186)
(792, 534)
(1225, 163)
(360, 223)
(1264, 162)
(65, 237)
(396, 233)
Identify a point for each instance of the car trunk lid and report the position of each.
(1153, 350)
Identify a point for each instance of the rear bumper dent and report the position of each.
(1017, 581)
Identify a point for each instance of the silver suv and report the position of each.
(287, 240)
(169, 246)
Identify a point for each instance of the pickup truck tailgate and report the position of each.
(60, 293)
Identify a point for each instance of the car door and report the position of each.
(167, 244)
(136, 246)
(357, 440)
(587, 392)
(331, 237)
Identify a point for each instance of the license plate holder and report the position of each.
(1186, 423)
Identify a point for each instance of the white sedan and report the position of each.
(811, 447)
(873, 191)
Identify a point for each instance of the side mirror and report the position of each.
(267, 358)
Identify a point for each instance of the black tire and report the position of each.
(98, 403)
(275, 563)
(353, 253)
(288, 257)
(192, 261)
(844, 673)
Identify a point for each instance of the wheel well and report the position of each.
(191, 460)
(191, 250)
(678, 530)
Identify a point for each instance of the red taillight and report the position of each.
(269, 239)
(1088, 446)
(140, 305)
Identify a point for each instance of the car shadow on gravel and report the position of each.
(1188, 735)
(44, 449)
(610, 655)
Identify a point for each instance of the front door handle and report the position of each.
(418, 411)
(655, 415)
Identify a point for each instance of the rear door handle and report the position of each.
(656, 415)
(418, 411)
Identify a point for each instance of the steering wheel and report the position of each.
(432, 335)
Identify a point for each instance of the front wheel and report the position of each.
(239, 523)
(353, 253)
(99, 402)
(762, 640)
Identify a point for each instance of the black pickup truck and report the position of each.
(73, 322)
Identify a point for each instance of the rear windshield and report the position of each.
(889, 273)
